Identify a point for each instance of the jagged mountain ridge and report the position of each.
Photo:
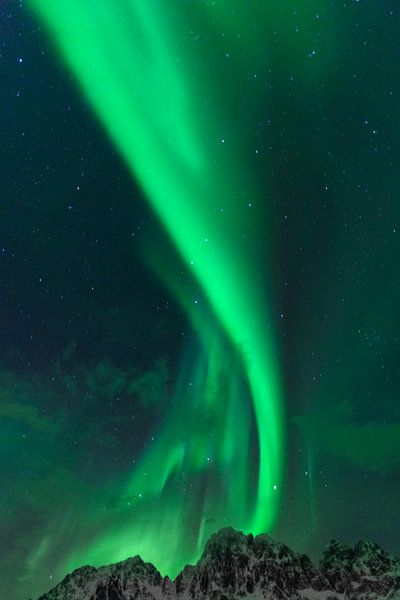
(235, 566)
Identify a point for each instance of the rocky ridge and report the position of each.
(235, 566)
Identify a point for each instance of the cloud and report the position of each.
(29, 415)
(372, 446)
(152, 386)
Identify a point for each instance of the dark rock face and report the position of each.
(238, 566)
(235, 566)
(365, 571)
(127, 580)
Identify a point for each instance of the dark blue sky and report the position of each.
(91, 343)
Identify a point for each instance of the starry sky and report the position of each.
(199, 284)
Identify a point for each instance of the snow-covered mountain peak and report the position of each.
(235, 566)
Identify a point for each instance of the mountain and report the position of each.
(235, 566)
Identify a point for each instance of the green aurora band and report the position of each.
(218, 460)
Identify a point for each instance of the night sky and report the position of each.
(199, 279)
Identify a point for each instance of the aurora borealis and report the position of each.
(183, 162)
(199, 280)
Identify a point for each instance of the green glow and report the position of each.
(218, 460)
